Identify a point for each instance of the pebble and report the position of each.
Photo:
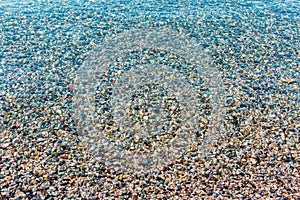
(253, 43)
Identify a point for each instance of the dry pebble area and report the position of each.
(255, 44)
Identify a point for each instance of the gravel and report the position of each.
(253, 44)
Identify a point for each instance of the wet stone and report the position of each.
(254, 46)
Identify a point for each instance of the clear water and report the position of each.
(129, 76)
(46, 46)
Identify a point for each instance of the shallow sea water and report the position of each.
(77, 76)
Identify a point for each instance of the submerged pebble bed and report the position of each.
(253, 44)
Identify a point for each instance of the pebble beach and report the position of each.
(253, 45)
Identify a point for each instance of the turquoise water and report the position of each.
(43, 43)
(253, 44)
(253, 48)
(59, 23)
